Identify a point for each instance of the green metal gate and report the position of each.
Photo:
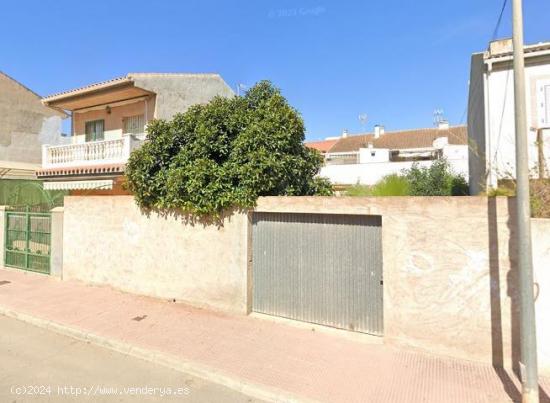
(28, 239)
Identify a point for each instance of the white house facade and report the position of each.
(367, 158)
(491, 124)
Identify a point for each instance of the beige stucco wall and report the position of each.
(113, 120)
(107, 240)
(540, 229)
(175, 93)
(449, 272)
(25, 123)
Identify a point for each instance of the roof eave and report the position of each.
(86, 91)
(530, 52)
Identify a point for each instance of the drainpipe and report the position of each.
(146, 111)
(71, 115)
(488, 134)
(146, 119)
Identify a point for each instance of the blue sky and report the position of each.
(394, 60)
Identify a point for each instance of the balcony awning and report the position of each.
(105, 184)
(104, 93)
(18, 170)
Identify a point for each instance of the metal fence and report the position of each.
(319, 268)
(28, 238)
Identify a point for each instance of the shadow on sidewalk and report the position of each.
(497, 337)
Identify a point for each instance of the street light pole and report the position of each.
(528, 337)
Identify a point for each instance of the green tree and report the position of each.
(225, 154)
(389, 185)
(435, 180)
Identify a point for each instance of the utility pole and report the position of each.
(528, 337)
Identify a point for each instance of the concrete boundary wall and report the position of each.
(450, 264)
(107, 240)
(450, 272)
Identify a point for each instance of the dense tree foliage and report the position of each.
(225, 154)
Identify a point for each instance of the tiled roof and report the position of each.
(104, 169)
(322, 146)
(402, 140)
(120, 80)
(90, 87)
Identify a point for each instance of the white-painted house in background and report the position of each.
(367, 158)
(491, 125)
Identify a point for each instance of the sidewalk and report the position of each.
(260, 357)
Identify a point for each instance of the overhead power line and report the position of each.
(499, 21)
(494, 36)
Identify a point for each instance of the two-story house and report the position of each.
(491, 123)
(109, 120)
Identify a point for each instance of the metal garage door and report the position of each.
(319, 268)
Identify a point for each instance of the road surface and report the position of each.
(43, 366)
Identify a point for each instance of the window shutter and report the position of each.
(89, 131)
(99, 130)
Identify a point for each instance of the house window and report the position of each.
(134, 124)
(543, 101)
(95, 130)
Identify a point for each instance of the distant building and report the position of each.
(491, 124)
(25, 124)
(367, 158)
(322, 146)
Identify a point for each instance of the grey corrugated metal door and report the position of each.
(319, 268)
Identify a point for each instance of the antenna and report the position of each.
(438, 116)
(363, 118)
(241, 88)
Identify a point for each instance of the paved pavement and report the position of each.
(252, 354)
(43, 366)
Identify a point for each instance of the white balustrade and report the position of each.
(90, 153)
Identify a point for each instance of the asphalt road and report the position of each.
(42, 366)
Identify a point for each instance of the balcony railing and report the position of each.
(91, 153)
(342, 158)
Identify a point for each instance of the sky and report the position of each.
(395, 61)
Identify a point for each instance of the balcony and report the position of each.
(115, 151)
